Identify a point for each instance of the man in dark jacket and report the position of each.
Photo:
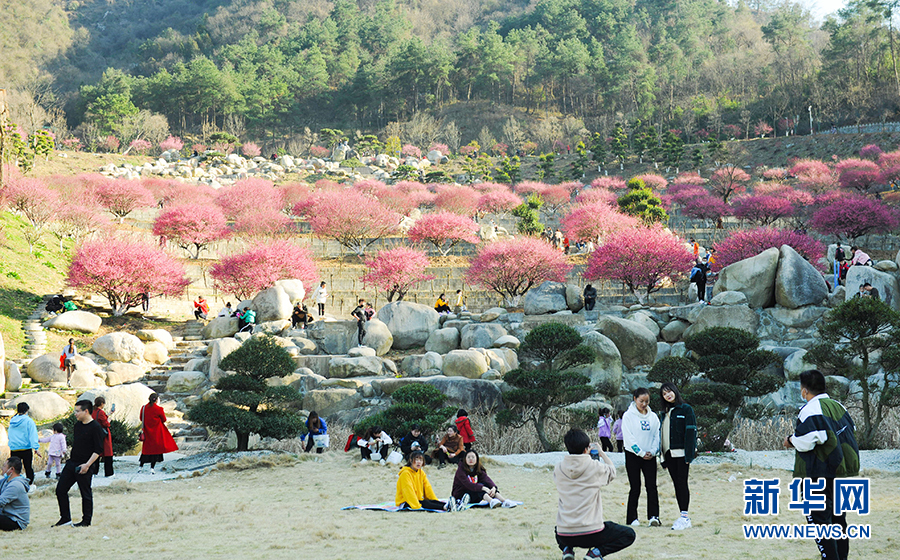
(590, 297)
(87, 447)
(698, 276)
(825, 440)
(414, 441)
(359, 313)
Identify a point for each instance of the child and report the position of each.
(57, 449)
(472, 484)
(617, 431)
(579, 517)
(413, 489)
(465, 429)
(604, 430)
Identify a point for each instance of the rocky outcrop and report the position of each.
(737, 316)
(80, 321)
(220, 327)
(636, 344)
(754, 277)
(549, 297)
(410, 323)
(272, 304)
(886, 284)
(797, 283)
(606, 368)
(464, 363)
(481, 335)
(442, 341)
(119, 347)
(43, 406)
(378, 337)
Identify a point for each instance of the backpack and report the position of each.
(695, 274)
(839, 254)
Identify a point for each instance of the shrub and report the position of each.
(124, 439)
(417, 404)
(675, 369)
(250, 150)
(871, 151)
(409, 150)
(319, 152)
(420, 393)
(140, 146)
(439, 147)
(171, 143)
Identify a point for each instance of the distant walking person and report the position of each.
(101, 418)
(157, 439)
(359, 313)
(68, 354)
(87, 447)
(617, 431)
(320, 296)
(825, 440)
(604, 430)
(23, 439)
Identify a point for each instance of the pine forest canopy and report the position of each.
(270, 68)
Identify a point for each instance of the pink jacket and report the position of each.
(57, 444)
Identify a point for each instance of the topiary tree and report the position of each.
(735, 367)
(644, 205)
(853, 336)
(124, 439)
(674, 369)
(529, 215)
(546, 385)
(245, 403)
(417, 404)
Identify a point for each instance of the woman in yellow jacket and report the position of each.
(441, 305)
(413, 489)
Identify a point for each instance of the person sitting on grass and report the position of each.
(15, 508)
(471, 484)
(374, 441)
(415, 440)
(413, 489)
(450, 447)
(579, 517)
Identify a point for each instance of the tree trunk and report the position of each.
(243, 440)
(539, 426)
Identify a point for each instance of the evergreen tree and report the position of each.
(545, 167)
(580, 163)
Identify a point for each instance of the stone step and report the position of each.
(193, 337)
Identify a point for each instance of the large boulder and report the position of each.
(886, 284)
(220, 327)
(410, 323)
(333, 337)
(82, 379)
(81, 321)
(378, 337)
(737, 316)
(218, 350)
(549, 297)
(673, 330)
(481, 335)
(464, 363)
(13, 376)
(158, 335)
(45, 369)
(607, 365)
(185, 381)
(468, 393)
(644, 318)
(293, 288)
(635, 342)
(128, 400)
(729, 298)
(755, 277)
(574, 299)
(119, 347)
(118, 373)
(416, 365)
(442, 341)
(43, 406)
(798, 283)
(801, 318)
(330, 401)
(156, 353)
(362, 366)
(272, 304)
(795, 364)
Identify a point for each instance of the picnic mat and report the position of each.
(389, 506)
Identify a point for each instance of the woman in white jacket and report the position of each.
(320, 296)
(640, 428)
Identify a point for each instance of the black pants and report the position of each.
(360, 331)
(321, 309)
(606, 444)
(26, 455)
(635, 466)
(8, 524)
(431, 504)
(442, 309)
(107, 465)
(383, 451)
(444, 458)
(678, 469)
(310, 443)
(620, 445)
(701, 290)
(67, 480)
(589, 304)
(830, 549)
(199, 314)
(612, 538)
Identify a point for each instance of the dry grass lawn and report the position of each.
(284, 508)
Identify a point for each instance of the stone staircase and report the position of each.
(35, 337)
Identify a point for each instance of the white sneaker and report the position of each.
(152, 470)
(635, 523)
(464, 502)
(508, 504)
(381, 462)
(31, 489)
(364, 461)
(654, 522)
(451, 505)
(494, 503)
(681, 524)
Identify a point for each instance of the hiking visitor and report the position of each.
(56, 450)
(316, 428)
(68, 354)
(590, 297)
(472, 485)
(87, 446)
(100, 416)
(201, 308)
(839, 257)
(413, 489)
(604, 430)
(698, 276)
(359, 313)
(859, 257)
(449, 448)
(320, 296)
(464, 428)
(678, 443)
(640, 427)
(23, 439)
(15, 508)
(155, 436)
(579, 514)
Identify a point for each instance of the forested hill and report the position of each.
(269, 68)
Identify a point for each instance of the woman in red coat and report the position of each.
(464, 427)
(157, 439)
(102, 419)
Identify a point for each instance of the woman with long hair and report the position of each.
(315, 426)
(640, 426)
(471, 484)
(100, 416)
(678, 439)
(156, 437)
(413, 489)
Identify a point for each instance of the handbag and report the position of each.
(141, 436)
(320, 441)
(62, 361)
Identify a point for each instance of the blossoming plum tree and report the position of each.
(445, 230)
(396, 271)
(513, 267)
(123, 196)
(259, 268)
(851, 217)
(191, 227)
(594, 221)
(351, 218)
(749, 243)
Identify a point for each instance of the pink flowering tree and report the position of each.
(744, 244)
(245, 274)
(264, 224)
(171, 143)
(124, 270)
(445, 230)
(249, 196)
(457, 199)
(557, 197)
(858, 174)
(594, 221)
(762, 129)
(851, 217)
(609, 183)
(642, 259)
(79, 216)
(498, 201)
(705, 206)
(653, 181)
(351, 218)
(250, 150)
(762, 210)
(121, 197)
(526, 188)
(513, 267)
(395, 271)
(728, 181)
(191, 227)
(409, 150)
(293, 194)
(36, 202)
(140, 146)
(871, 151)
(175, 193)
(593, 196)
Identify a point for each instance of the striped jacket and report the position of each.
(825, 440)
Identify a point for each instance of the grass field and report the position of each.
(280, 507)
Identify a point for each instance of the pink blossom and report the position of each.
(140, 146)
(171, 143)
(594, 221)
(775, 174)
(292, 194)
(36, 202)
(728, 181)
(110, 144)
(889, 159)
(263, 224)
(351, 218)
(444, 230)
(248, 196)
(610, 183)
(78, 216)
(123, 271)
(857, 174)
(556, 196)
(689, 177)
(641, 258)
(705, 206)
(439, 147)
(191, 226)
(513, 267)
(247, 273)
(871, 151)
(853, 216)
(652, 181)
(409, 150)
(396, 271)
(250, 150)
(498, 201)
(762, 129)
(458, 199)
(123, 196)
(319, 152)
(526, 188)
(762, 209)
(595, 195)
(744, 244)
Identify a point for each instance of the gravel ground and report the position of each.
(882, 459)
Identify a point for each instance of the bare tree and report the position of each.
(422, 129)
